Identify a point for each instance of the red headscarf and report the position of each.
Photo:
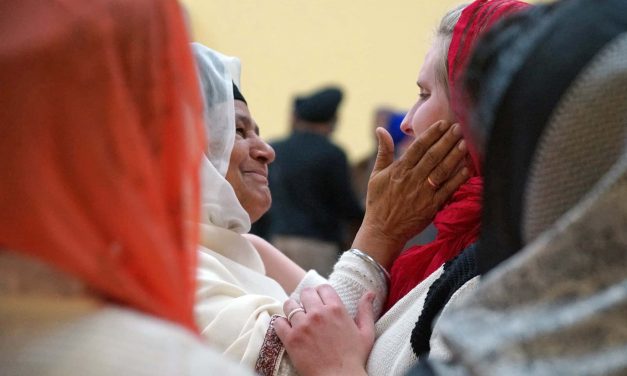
(100, 144)
(476, 18)
(458, 222)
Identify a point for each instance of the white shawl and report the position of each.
(235, 300)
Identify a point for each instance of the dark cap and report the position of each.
(319, 107)
(237, 94)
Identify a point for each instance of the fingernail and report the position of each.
(462, 145)
(444, 125)
(457, 130)
(465, 171)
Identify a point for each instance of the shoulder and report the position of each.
(334, 152)
(112, 341)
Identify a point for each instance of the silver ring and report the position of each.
(294, 311)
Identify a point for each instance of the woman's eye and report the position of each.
(424, 96)
(240, 131)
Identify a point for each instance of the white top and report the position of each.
(392, 353)
(67, 336)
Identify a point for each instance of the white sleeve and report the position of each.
(352, 277)
(311, 279)
(234, 306)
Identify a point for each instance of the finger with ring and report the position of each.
(293, 312)
(431, 183)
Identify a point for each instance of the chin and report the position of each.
(259, 209)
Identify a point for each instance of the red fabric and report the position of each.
(458, 222)
(475, 20)
(458, 226)
(101, 137)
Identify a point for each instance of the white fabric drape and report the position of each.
(235, 300)
(217, 74)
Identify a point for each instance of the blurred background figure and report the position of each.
(315, 211)
(389, 119)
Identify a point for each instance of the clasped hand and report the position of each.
(321, 338)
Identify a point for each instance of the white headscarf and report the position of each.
(217, 73)
(235, 300)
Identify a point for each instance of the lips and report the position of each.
(262, 173)
(259, 175)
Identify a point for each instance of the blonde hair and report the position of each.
(442, 42)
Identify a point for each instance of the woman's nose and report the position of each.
(263, 151)
(406, 125)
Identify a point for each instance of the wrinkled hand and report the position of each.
(401, 201)
(325, 340)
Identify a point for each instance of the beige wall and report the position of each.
(373, 49)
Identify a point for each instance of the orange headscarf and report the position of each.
(100, 143)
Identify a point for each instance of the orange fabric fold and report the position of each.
(101, 137)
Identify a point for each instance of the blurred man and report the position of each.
(313, 201)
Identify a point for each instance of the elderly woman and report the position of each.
(424, 279)
(558, 200)
(235, 298)
(238, 300)
(100, 147)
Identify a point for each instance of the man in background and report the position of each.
(314, 212)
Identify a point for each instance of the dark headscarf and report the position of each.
(549, 94)
(513, 104)
(476, 19)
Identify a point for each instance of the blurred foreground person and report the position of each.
(101, 137)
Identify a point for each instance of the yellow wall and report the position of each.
(372, 48)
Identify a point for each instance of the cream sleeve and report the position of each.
(234, 306)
